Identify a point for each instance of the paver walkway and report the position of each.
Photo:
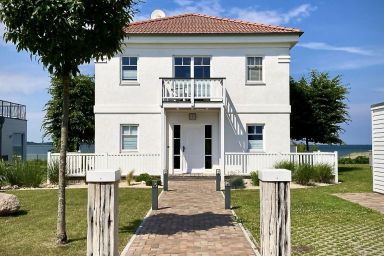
(191, 220)
(374, 201)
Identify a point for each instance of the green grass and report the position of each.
(323, 224)
(32, 231)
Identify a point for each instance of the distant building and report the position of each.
(13, 130)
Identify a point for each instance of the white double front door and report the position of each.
(192, 149)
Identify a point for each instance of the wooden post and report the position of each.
(275, 221)
(103, 212)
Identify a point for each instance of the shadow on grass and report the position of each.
(72, 240)
(236, 207)
(131, 228)
(350, 168)
(16, 214)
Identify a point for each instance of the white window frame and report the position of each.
(121, 138)
(192, 63)
(255, 82)
(125, 81)
(263, 134)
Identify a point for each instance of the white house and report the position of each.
(192, 87)
(13, 130)
(378, 147)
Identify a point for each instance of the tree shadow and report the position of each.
(235, 207)
(72, 240)
(131, 227)
(170, 223)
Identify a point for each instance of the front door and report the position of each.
(192, 148)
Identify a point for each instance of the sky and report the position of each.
(344, 37)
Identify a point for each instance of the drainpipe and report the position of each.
(2, 119)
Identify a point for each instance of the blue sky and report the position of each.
(344, 37)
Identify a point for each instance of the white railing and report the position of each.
(79, 163)
(174, 89)
(244, 163)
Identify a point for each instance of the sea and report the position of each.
(345, 150)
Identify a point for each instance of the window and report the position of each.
(183, 67)
(208, 147)
(176, 147)
(18, 144)
(255, 137)
(129, 68)
(202, 67)
(129, 137)
(254, 68)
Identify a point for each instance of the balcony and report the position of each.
(12, 110)
(192, 90)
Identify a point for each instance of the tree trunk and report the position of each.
(61, 225)
(306, 144)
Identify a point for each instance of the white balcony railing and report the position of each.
(192, 90)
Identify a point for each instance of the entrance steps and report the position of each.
(192, 176)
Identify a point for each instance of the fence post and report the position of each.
(275, 220)
(103, 210)
(336, 167)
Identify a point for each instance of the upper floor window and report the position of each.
(196, 67)
(254, 68)
(129, 68)
(255, 137)
(129, 137)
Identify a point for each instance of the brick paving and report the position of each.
(191, 220)
(373, 201)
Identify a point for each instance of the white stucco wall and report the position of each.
(10, 127)
(268, 103)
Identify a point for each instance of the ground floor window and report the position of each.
(255, 136)
(18, 144)
(176, 146)
(208, 147)
(129, 137)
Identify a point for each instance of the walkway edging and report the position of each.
(126, 248)
(251, 240)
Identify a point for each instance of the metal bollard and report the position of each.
(218, 179)
(155, 195)
(165, 180)
(227, 194)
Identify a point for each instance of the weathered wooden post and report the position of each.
(275, 219)
(103, 210)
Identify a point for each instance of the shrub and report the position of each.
(149, 182)
(254, 178)
(143, 177)
(285, 165)
(237, 182)
(303, 174)
(24, 174)
(53, 172)
(130, 177)
(3, 167)
(323, 173)
(357, 160)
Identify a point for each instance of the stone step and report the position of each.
(183, 177)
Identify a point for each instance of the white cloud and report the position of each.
(19, 83)
(328, 47)
(272, 16)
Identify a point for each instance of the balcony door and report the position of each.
(198, 68)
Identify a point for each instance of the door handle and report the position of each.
(183, 148)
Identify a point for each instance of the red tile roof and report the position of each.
(202, 24)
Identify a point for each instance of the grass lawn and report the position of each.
(323, 224)
(32, 231)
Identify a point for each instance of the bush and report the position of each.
(3, 167)
(149, 182)
(143, 177)
(323, 173)
(303, 174)
(130, 177)
(53, 172)
(285, 165)
(237, 182)
(24, 174)
(254, 178)
(357, 160)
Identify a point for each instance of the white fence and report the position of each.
(79, 163)
(244, 163)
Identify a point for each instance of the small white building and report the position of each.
(193, 87)
(13, 130)
(378, 147)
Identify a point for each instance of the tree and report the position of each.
(81, 124)
(62, 34)
(318, 108)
